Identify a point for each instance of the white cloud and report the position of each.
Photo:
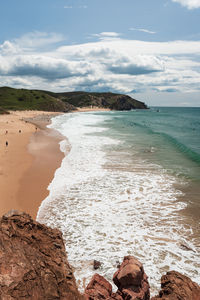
(143, 30)
(110, 64)
(41, 66)
(80, 6)
(9, 48)
(36, 39)
(190, 4)
(106, 35)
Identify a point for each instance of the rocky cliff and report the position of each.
(33, 262)
(33, 265)
(106, 100)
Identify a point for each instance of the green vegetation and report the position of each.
(22, 99)
(107, 100)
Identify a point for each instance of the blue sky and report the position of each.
(147, 49)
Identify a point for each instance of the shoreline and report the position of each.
(29, 161)
(92, 108)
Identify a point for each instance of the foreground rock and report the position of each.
(176, 286)
(130, 279)
(33, 263)
(98, 288)
(132, 284)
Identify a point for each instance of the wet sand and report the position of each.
(29, 161)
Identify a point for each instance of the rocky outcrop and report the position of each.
(125, 102)
(33, 265)
(130, 279)
(132, 284)
(175, 286)
(33, 262)
(98, 288)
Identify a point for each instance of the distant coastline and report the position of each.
(23, 99)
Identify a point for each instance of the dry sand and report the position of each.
(91, 108)
(28, 162)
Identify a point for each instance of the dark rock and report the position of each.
(186, 247)
(175, 286)
(96, 264)
(33, 262)
(125, 102)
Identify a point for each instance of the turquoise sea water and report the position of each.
(130, 185)
(171, 134)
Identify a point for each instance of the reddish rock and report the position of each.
(33, 262)
(175, 286)
(98, 288)
(131, 280)
(96, 264)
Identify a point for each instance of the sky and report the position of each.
(148, 49)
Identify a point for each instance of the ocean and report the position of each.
(128, 185)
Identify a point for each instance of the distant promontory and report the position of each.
(23, 99)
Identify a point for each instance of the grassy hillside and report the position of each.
(21, 99)
(108, 100)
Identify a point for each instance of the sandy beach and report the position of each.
(91, 108)
(29, 156)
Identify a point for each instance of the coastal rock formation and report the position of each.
(33, 262)
(175, 286)
(33, 265)
(125, 102)
(130, 279)
(105, 100)
(98, 288)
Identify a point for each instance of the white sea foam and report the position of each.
(108, 205)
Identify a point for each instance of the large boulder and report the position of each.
(131, 280)
(175, 286)
(98, 288)
(33, 262)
